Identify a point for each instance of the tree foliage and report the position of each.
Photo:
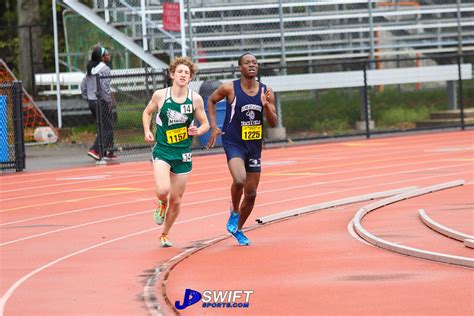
(9, 32)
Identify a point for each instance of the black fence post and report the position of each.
(100, 119)
(32, 67)
(19, 135)
(461, 97)
(147, 88)
(366, 102)
(167, 79)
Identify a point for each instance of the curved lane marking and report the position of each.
(441, 229)
(409, 251)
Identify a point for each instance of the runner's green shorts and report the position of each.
(179, 159)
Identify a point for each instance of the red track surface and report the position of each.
(82, 241)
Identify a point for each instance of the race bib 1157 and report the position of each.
(176, 135)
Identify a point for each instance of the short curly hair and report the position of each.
(182, 61)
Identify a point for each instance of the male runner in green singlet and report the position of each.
(177, 108)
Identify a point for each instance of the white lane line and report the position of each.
(415, 149)
(8, 293)
(20, 281)
(72, 227)
(73, 211)
(302, 177)
(409, 143)
(226, 198)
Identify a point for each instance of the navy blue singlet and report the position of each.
(243, 127)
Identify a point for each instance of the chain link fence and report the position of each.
(12, 143)
(119, 125)
(287, 31)
(322, 100)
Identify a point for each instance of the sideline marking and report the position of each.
(112, 189)
(72, 227)
(458, 159)
(96, 177)
(417, 158)
(293, 187)
(450, 149)
(204, 201)
(74, 211)
(362, 144)
(295, 174)
(278, 163)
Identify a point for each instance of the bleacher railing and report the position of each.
(290, 31)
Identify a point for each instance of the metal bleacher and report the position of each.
(309, 29)
(219, 31)
(285, 31)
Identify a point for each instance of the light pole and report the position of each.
(183, 34)
(56, 65)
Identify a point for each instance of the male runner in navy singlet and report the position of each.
(248, 102)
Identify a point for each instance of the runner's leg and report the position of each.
(178, 186)
(237, 170)
(161, 174)
(250, 194)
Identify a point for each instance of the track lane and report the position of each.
(270, 200)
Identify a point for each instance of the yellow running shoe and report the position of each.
(160, 213)
(164, 241)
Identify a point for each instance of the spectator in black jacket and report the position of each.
(102, 101)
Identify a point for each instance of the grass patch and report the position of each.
(333, 111)
(402, 117)
(82, 133)
(392, 109)
(336, 111)
(327, 111)
(331, 125)
(129, 120)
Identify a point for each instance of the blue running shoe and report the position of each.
(233, 222)
(241, 238)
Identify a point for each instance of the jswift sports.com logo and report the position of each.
(216, 299)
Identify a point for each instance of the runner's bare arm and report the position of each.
(200, 115)
(153, 106)
(268, 101)
(225, 90)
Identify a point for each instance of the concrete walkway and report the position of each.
(66, 155)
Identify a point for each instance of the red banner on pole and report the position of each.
(171, 16)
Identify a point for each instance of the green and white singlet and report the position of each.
(173, 144)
